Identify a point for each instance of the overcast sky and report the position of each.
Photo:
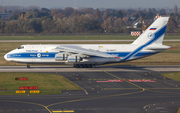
(95, 3)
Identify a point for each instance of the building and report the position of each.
(5, 16)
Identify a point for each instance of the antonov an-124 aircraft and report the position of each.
(89, 55)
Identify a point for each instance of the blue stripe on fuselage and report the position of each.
(52, 55)
(32, 55)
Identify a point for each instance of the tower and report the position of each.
(75, 5)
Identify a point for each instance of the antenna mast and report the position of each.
(75, 5)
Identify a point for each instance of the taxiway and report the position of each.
(105, 91)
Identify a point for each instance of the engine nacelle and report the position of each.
(61, 57)
(74, 58)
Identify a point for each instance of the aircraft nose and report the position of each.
(5, 56)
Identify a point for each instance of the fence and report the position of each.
(71, 34)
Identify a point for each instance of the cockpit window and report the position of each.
(21, 47)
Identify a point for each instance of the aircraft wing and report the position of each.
(82, 51)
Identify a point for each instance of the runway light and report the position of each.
(16, 78)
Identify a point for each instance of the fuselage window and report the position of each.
(21, 47)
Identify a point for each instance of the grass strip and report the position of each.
(174, 75)
(47, 83)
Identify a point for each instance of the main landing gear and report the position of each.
(28, 66)
(84, 65)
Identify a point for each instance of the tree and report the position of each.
(97, 14)
(149, 15)
(47, 25)
(162, 12)
(119, 14)
(105, 14)
(88, 11)
(35, 25)
(110, 24)
(14, 17)
(118, 24)
(56, 12)
(68, 11)
(45, 10)
(172, 24)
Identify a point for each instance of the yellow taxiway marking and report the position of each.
(46, 107)
(124, 80)
(112, 75)
(64, 111)
(137, 88)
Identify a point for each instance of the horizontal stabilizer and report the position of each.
(157, 47)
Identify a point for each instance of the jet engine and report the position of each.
(61, 57)
(74, 58)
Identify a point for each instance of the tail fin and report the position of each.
(154, 33)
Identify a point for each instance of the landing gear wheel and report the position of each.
(84, 65)
(28, 66)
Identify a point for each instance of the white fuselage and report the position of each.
(46, 54)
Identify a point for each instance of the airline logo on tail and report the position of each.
(150, 35)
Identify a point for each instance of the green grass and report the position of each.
(174, 75)
(77, 37)
(47, 83)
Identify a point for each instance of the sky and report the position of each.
(94, 3)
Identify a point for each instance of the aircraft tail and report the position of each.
(154, 34)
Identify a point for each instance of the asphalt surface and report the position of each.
(96, 69)
(104, 92)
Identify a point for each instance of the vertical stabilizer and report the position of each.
(154, 34)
